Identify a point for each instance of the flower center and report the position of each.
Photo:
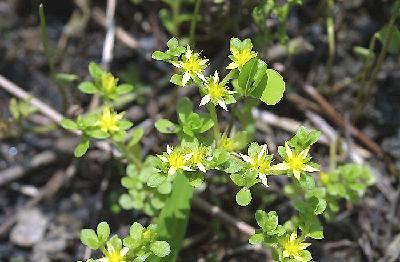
(261, 165)
(216, 91)
(192, 65)
(115, 257)
(108, 123)
(198, 155)
(291, 247)
(296, 163)
(108, 82)
(244, 56)
(176, 160)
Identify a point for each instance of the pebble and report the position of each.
(30, 228)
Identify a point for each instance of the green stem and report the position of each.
(333, 153)
(365, 93)
(50, 60)
(228, 77)
(330, 30)
(176, 8)
(194, 22)
(213, 114)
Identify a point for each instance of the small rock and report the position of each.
(29, 229)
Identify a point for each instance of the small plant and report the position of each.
(140, 245)
(267, 9)
(162, 185)
(389, 36)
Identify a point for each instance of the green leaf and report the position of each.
(172, 43)
(195, 178)
(89, 238)
(14, 108)
(166, 127)
(267, 221)
(394, 41)
(243, 197)
(156, 179)
(136, 231)
(158, 55)
(63, 78)
(184, 109)
(87, 88)
(69, 124)
(81, 148)
(160, 248)
(174, 217)
(257, 238)
(124, 88)
(103, 232)
(124, 124)
(176, 79)
(246, 76)
(95, 71)
(137, 134)
(98, 134)
(305, 255)
(126, 202)
(363, 52)
(273, 92)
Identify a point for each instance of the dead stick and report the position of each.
(120, 33)
(45, 109)
(339, 120)
(241, 226)
(17, 171)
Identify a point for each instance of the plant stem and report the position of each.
(364, 95)
(333, 153)
(176, 9)
(330, 30)
(194, 22)
(211, 108)
(50, 61)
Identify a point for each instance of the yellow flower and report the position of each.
(108, 82)
(295, 162)
(240, 57)
(191, 65)
(114, 255)
(324, 178)
(292, 247)
(176, 159)
(108, 121)
(198, 158)
(260, 162)
(216, 92)
(227, 143)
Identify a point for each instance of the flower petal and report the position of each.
(205, 100)
(264, 179)
(185, 78)
(281, 166)
(296, 174)
(288, 151)
(309, 168)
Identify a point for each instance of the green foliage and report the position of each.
(190, 124)
(267, 9)
(174, 217)
(348, 182)
(140, 196)
(104, 84)
(21, 109)
(394, 40)
(163, 184)
(140, 245)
